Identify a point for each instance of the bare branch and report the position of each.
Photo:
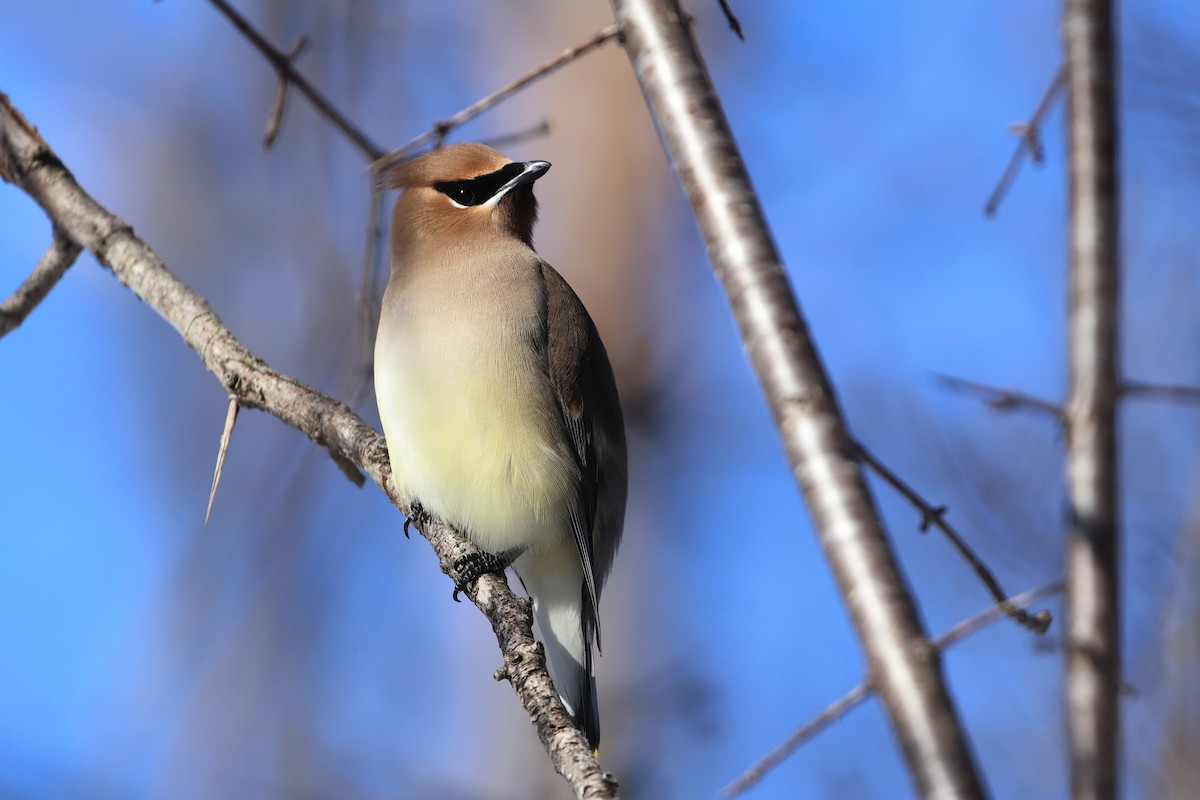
(1030, 143)
(936, 515)
(27, 161)
(53, 264)
(1093, 652)
(222, 450)
(1160, 391)
(275, 120)
(283, 65)
(735, 25)
(1002, 399)
(543, 128)
(701, 148)
(442, 128)
(840, 707)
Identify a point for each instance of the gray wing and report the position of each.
(591, 411)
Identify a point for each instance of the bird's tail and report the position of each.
(567, 626)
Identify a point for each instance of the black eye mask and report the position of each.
(475, 191)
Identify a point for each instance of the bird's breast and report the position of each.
(470, 417)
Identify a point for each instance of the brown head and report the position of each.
(463, 191)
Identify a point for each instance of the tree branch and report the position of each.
(442, 128)
(1093, 653)
(840, 707)
(936, 516)
(287, 72)
(27, 161)
(701, 148)
(1002, 399)
(1030, 143)
(53, 264)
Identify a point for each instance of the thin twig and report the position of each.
(275, 119)
(1030, 143)
(53, 264)
(734, 24)
(1002, 399)
(442, 128)
(858, 694)
(1158, 391)
(222, 449)
(283, 65)
(537, 131)
(936, 516)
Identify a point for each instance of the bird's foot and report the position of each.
(474, 566)
(417, 515)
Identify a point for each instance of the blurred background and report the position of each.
(299, 647)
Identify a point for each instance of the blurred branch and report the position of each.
(702, 151)
(275, 120)
(1093, 652)
(288, 73)
(1002, 399)
(1030, 143)
(543, 128)
(936, 515)
(27, 161)
(53, 264)
(837, 709)
(735, 24)
(442, 128)
(1159, 391)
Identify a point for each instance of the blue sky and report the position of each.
(298, 646)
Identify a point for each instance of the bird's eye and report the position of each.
(461, 193)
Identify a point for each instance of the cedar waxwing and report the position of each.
(497, 398)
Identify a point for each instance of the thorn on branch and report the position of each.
(222, 450)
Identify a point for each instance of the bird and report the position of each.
(497, 398)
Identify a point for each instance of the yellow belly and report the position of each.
(473, 435)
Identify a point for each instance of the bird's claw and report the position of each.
(416, 516)
(474, 566)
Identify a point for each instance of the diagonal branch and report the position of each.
(27, 161)
(701, 148)
(936, 516)
(1030, 143)
(442, 128)
(1093, 650)
(855, 697)
(287, 72)
(53, 264)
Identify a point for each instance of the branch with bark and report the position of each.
(29, 163)
(1093, 652)
(706, 160)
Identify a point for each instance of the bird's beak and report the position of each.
(532, 170)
